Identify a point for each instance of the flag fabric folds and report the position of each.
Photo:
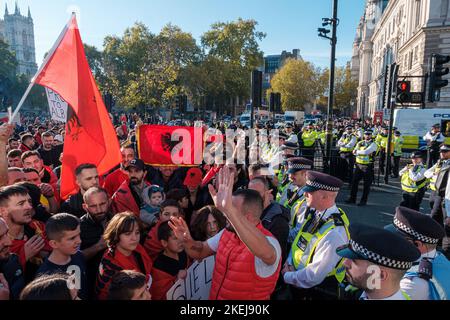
(90, 135)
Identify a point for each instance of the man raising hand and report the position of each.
(248, 257)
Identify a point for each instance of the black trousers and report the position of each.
(349, 160)
(365, 173)
(382, 160)
(413, 200)
(433, 157)
(436, 202)
(308, 152)
(395, 165)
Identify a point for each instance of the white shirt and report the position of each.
(263, 270)
(418, 288)
(371, 149)
(325, 256)
(293, 138)
(414, 176)
(437, 137)
(396, 296)
(349, 145)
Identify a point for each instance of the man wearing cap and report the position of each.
(346, 146)
(309, 136)
(376, 261)
(382, 142)
(292, 137)
(434, 139)
(365, 153)
(438, 175)
(313, 268)
(129, 197)
(297, 169)
(413, 182)
(429, 277)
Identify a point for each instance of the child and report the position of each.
(124, 252)
(63, 232)
(153, 196)
(129, 285)
(169, 208)
(170, 265)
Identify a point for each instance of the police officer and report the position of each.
(313, 268)
(429, 277)
(413, 182)
(359, 132)
(376, 260)
(365, 152)
(438, 175)
(434, 139)
(397, 154)
(292, 137)
(297, 170)
(346, 146)
(382, 142)
(309, 136)
(283, 180)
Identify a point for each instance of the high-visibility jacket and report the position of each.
(309, 137)
(398, 146)
(408, 185)
(305, 243)
(364, 159)
(346, 139)
(433, 179)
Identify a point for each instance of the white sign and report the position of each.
(57, 106)
(197, 284)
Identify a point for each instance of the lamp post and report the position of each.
(333, 39)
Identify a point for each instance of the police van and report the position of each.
(415, 123)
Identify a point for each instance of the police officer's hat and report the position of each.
(281, 135)
(444, 147)
(416, 225)
(417, 155)
(379, 246)
(298, 164)
(368, 132)
(437, 125)
(320, 181)
(288, 125)
(288, 145)
(397, 133)
(348, 127)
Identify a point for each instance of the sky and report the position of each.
(289, 24)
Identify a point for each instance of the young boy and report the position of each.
(170, 265)
(129, 285)
(169, 208)
(63, 232)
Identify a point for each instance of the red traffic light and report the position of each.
(404, 86)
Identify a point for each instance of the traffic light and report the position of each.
(178, 103)
(437, 71)
(278, 102)
(257, 88)
(184, 103)
(403, 92)
(272, 102)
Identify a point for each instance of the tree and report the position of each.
(8, 66)
(345, 88)
(297, 83)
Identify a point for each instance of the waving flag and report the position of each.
(90, 135)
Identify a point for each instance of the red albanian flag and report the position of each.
(167, 146)
(90, 135)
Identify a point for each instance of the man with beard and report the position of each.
(129, 197)
(86, 178)
(10, 268)
(28, 236)
(167, 177)
(50, 153)
(248, 257)
(97, 205)
(376, 261)
(115, 179)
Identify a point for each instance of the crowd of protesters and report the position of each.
(276, 233)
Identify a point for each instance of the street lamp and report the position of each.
(323, 33)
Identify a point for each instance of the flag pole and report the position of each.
(46, 60)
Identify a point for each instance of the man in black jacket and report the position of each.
(10, 268)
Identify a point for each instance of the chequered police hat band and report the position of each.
(378, 259)
(321, 186)
(414, 233)
(299, 166)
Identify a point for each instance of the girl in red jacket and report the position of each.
(169, 208)
(170, 265)
(124, 252)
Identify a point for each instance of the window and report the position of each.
(417, 13)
